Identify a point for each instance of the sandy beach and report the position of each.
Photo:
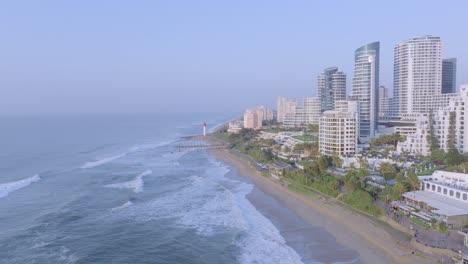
(365, 235)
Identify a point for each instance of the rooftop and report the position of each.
(445, 205)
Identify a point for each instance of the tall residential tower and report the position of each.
(366, 87)
(417, 74)
(331, 86)
(281, 109)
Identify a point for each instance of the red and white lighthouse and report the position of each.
(204, 129)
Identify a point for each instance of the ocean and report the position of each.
(114, 189)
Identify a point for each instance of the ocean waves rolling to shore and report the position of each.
(124, 194)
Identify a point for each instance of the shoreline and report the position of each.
(375, 244)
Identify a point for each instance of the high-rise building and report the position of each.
(384, 102)
(312, 110)
(267, 113)
(366, 87)
(281, 109)
(302, 115)
(253, 118)
(449, 75)
(291, 107)
(331, 86)
(417, 74)
(338, 130)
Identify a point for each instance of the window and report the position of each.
(439, 189)
(445, 191)
(457, 195)
(465, 196)
(433, 187)
(451, 193)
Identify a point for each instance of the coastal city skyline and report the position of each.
(243, 132)
(273, 56)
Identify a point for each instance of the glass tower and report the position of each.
(331, 86)
(366, 87)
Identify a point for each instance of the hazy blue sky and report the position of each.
(153, 56)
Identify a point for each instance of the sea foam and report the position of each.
(210, 204)
(92, 164)
(121, 207)
(136, 184)
(134, 149)
(6, 188)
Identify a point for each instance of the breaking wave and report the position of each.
(136, 184)
(6, 188)
(212, 203)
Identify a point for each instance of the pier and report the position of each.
(197, 143)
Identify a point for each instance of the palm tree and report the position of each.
(413, 181)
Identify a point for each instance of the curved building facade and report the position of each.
(366, 87)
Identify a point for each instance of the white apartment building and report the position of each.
(295, 118)
(444, 195)
(302, 115)
(417, 74)
(281, 109)
(338, 132)
(442, 121)
(417, 142)
(312, 110)
(384, 103)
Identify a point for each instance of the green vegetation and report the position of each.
(419, 222)
(337, 160)
(313, 128)
(431, 138)
(443, 227)
(388, 170)
(387, 140)
(301, 189)
(306, 138)
(453, 156)
(437, 156)
(257, 154)
(222, 135)
(272, 130)
(362, 201)
(313, 148)
(315, 176)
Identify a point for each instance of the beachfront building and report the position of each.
(235, 126)
(449, 75)
(417, 75)
(366, 88)
(331, 87)
(312, 110)
(444, 195)
(302, 115)
(295, 117)
(417, 143)
(338, 131)
(457, 108)
(253, 118)
(281, 109)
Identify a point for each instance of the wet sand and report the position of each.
(305, 219)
